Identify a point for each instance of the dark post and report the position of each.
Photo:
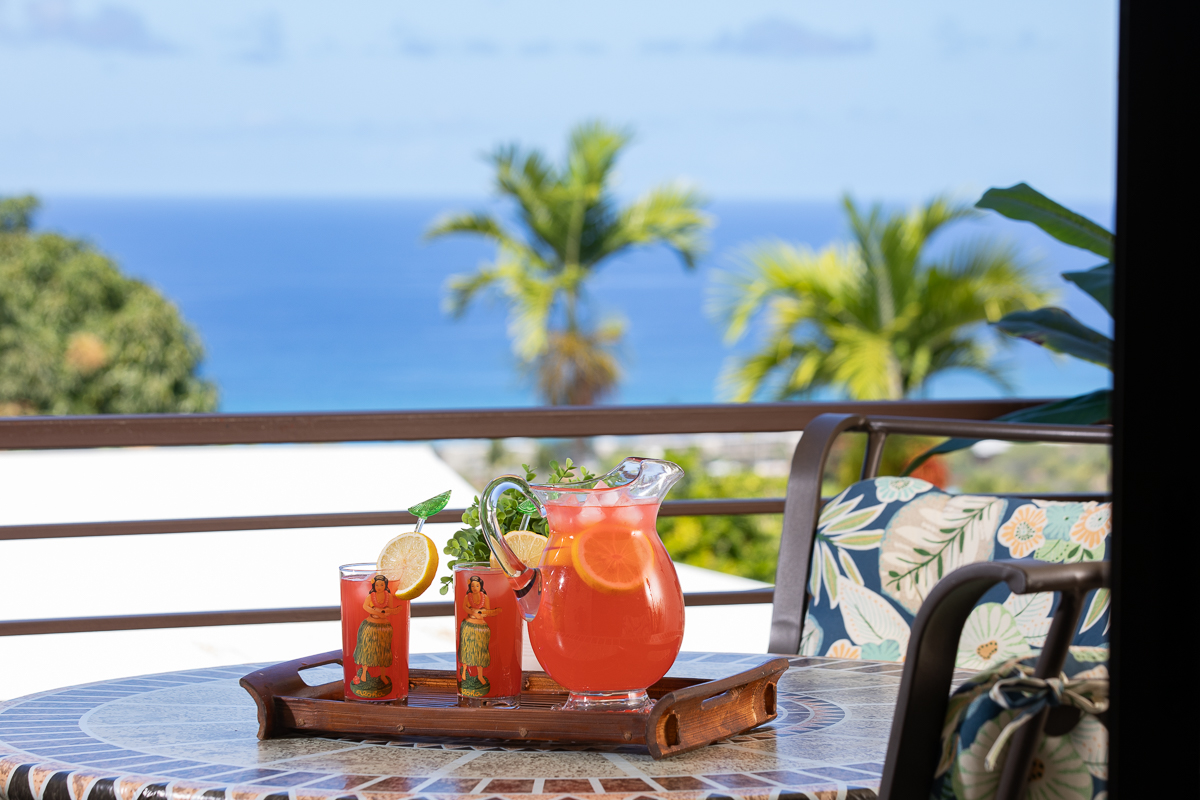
(1154, 227)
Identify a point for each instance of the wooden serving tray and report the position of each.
(688, 713)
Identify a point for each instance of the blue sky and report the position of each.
(753, 99)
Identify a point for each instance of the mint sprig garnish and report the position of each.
(468, 543)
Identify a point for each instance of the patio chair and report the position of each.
(966, 608)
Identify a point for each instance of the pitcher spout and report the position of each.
(648, 478)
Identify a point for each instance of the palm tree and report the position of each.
(873, 319)
(571, 225)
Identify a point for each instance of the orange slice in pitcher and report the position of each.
(611, 559)
(409, 561)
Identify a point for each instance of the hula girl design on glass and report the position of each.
(474, 639)
(374, 646)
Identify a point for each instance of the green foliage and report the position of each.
(1032, 468)
(1097, 282)
(844, 464)
(571, 223)
(1054, 328)
(566, 472)
(875, 319)
(78, 337)
(1025, 203)
(740, 545)
(1051, 327)
(16, 213)
(1057, 330)
(1082, 410)
(469, 543)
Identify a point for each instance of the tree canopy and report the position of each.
(876, 318)
(78, 337)
(570, 225)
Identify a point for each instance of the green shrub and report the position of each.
(742, 545)
(78, 337)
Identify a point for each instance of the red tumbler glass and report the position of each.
(374, 637)
(489, 635)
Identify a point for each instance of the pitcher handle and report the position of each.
(526, 581)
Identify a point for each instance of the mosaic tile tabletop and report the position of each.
(191, 736)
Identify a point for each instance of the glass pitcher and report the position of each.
(604, 605)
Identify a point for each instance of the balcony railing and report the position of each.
(51, 433)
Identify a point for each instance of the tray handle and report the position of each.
(688, 719)
(283, 680)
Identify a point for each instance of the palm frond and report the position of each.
(531, 299)
(742, 379)
(812, 371)
(669, 215)
(996, 275)
(477, 223)
(876, 239)
(864, 363)
(787, 284)
(529, 179)
(592, 152)
(938, 213)
(862, 229)
(462, 289)
(970, 355)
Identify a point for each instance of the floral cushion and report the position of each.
(989, 708)
(882, 544)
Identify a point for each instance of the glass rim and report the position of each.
(362, 568)
(478, 566)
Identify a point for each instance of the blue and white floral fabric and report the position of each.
(989, 708)
(883, 544)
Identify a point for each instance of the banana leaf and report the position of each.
(1057, 330)
(1097, 282)
(1022, 202)
(1086, 409)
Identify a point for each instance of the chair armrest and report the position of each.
(800, 513)
(933, 644)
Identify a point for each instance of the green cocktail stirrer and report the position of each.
(527, 508)
(427, 508)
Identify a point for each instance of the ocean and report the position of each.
(330, 305)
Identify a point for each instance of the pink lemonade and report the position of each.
(489, 636)
(611, 618)
(374, 637)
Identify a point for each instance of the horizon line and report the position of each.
(481, 198)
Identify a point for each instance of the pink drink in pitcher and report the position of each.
(604, 605)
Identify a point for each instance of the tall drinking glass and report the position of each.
(374, 637)
(488, 624)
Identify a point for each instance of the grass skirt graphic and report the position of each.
(473, 641)
(374, 649)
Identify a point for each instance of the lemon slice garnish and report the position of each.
(527, 545)
(409, 562)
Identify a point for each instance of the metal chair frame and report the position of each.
(929, 664)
